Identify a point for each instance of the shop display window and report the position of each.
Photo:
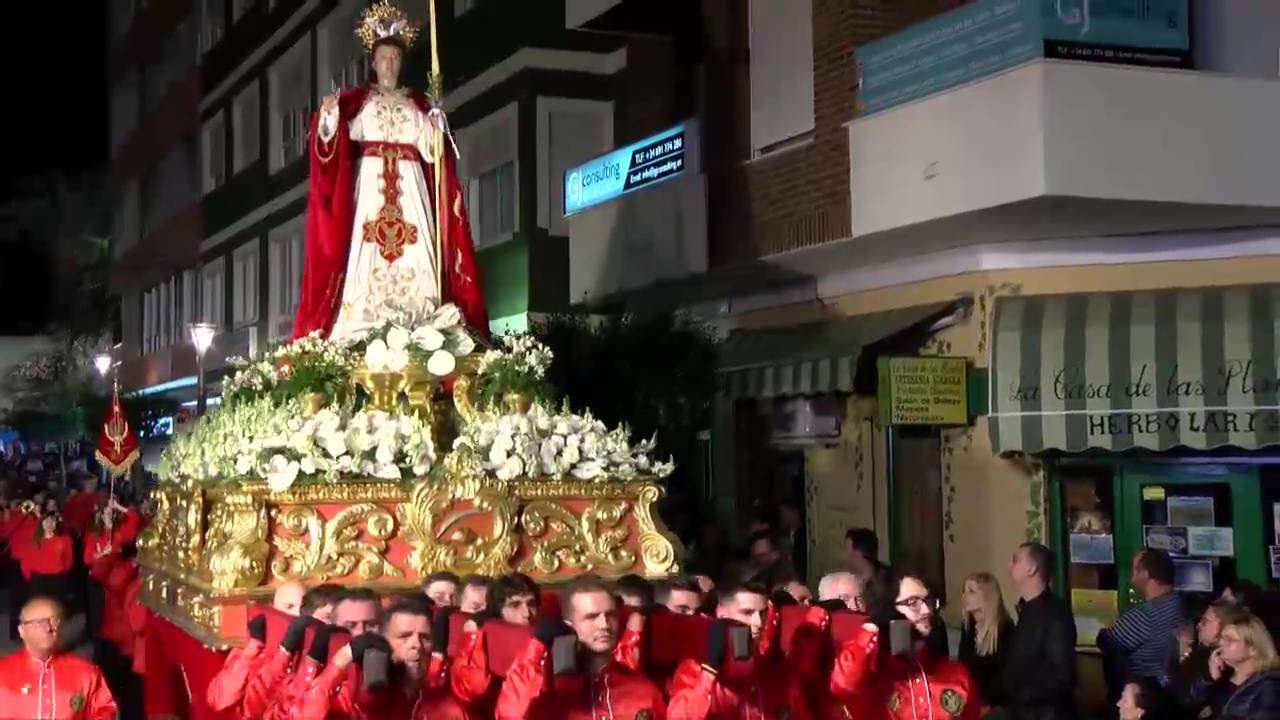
(1086, 545)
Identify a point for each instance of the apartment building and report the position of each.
(1013, 186)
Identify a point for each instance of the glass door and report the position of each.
(1205, 516)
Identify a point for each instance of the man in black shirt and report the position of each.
(1039, 677)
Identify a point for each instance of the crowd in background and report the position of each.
(741, 635)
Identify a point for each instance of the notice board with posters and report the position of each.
(924, 391)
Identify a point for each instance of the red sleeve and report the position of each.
(326, 693)
(854, 667)
(66, 555)
(692, 692)
(469, 675)
(128, 530)
(99, 705)
(627, 651)
(524, 690)
(260, 691)
(226, 689)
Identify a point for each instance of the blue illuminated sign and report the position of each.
(641, 164)
(986, 37)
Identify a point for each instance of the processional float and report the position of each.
(412, 448)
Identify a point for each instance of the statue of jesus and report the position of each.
(381, 224)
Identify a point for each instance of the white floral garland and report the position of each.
(541, 443)
(279, 442)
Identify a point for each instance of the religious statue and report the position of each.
(385, 214)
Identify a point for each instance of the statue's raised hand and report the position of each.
(329, 104)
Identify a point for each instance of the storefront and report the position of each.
(1156, 417)
(787, 393)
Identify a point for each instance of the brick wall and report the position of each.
(799, 197)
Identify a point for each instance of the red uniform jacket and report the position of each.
(227, 688)
(65, 687)
(616, 693)
(900, 688)
(263, 687)
(336, 695)
(17, 530)
(767, 689)
(79, 510)
(46, 556)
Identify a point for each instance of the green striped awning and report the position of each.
(1149, 370)
(809, 359)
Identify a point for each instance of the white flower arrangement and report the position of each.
(308, 364)
(518, 365)
(280, 442)
(541, 443)
(405, 331)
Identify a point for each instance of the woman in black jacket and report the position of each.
(1192, 686)
(1253, 690)
(986, 624)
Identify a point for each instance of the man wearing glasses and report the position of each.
(891, 664)
(41, 682)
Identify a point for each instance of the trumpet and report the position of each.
(28, 507)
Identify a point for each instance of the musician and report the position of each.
(38, 681)
(17, 526)
(46, 558)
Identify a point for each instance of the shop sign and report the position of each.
(983, 38)
(924, 391)
(1234, 377)
(647, 162)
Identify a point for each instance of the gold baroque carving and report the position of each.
(237, 556)
(595, 541)
(657, 551)
(333, 548)
(435, 530)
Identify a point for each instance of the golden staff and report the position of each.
(437, 92)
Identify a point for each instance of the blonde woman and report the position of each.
(1253, 690)
(986, 628)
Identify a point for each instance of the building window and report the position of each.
(462, 7)
(188, 300)
(1086, 495)
(240, 8)
(246, 128)
(150, 321)
(213, 153)
(126, 106)
(128, 217)
(285, 276)
(492, 204)
(213, 23)
(166, 313)
(213, 292)
(169, 187)
(289, 103)
(781, 72)
(244, 286)
(343, 62)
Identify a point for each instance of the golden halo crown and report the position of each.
(383, 20)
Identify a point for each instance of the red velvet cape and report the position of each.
(331, 188)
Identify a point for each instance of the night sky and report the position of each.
(56, 58)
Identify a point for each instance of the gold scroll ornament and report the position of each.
(439, 522)
(333, 548)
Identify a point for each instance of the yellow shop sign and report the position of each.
(924, 391)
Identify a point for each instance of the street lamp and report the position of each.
(201, 337)
(102, 363)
